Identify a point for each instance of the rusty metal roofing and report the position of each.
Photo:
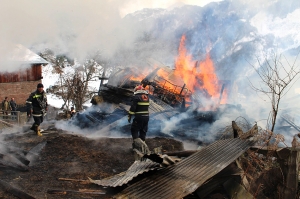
(186, 176)
(138, 167)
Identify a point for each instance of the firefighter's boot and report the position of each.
(38, 131)
(32, 127)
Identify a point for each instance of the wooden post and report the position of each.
(18, 117)
(288, 159)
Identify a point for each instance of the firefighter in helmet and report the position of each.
(139, 108)
(37, 102)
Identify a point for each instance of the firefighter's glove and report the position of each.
(129, 118)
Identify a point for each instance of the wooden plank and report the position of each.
(75, 180)
(80, 191)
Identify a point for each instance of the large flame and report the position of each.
(197, 76)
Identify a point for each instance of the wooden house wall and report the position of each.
(33, 73)
(20, 84)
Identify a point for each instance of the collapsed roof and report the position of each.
(168, 95)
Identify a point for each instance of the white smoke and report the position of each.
(74, 27)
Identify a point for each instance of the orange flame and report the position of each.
(209, 78)
(224, 97)
(184, 66)
(136, 78)
(197, 76)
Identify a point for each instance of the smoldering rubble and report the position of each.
(238, 160)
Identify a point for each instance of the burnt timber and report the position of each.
(167, 99)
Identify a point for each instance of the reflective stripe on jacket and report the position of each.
(140, 104)
(37, 102)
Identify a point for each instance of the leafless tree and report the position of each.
(73, 85)
(78, 85)
(277, 75)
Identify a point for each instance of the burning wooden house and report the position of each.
(169, 96)
(190, 87)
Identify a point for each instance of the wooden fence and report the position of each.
(13, 117)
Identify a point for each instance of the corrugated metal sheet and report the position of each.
(185, 177)
(138, 167)
(160, 110)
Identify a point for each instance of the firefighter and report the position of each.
(37, 102)
(72, 112)
(139, 108)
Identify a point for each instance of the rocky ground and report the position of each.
(71, 156)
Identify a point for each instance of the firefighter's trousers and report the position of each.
(139, 127)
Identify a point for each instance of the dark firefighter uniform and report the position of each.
(139, 108)
(37, 102)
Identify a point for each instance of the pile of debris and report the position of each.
(37, 167)
(169, 97)
(227, 164)
(61, 164)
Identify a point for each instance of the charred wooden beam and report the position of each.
(80, 191)
(9, 161)
(75, 180)
(221, 93)
(13, 190)
(238, 132)
(10, 148)
(33, 153)
(22, 159)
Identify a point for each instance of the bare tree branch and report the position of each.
(277, 79)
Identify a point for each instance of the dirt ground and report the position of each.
(67, 155)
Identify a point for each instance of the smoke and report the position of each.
(171, 124)
(98, 132)
(131, 6)
(73, 27)
(233, 32)
(96, 121)
(79, 28)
